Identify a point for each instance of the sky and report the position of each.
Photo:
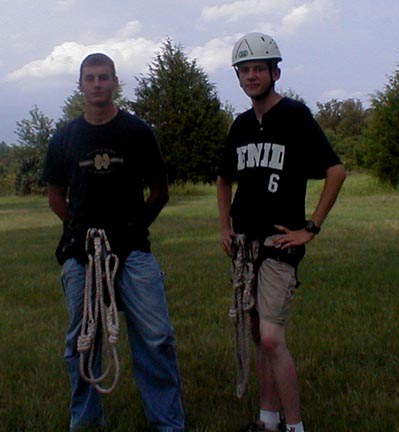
(331, 48)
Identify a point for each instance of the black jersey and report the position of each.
(271, 163)
(105, 168)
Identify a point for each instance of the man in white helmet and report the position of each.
(271, 151)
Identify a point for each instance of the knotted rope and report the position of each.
(99, 310)
(243, 302)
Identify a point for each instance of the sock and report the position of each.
(271, 419)
(295, 427)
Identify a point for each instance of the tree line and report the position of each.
(182, 106)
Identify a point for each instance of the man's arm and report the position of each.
(224, 196)
(157, 199)
(57, 198)
(334, 179)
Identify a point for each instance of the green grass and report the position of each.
(342, 330)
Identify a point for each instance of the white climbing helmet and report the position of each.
(255, 46)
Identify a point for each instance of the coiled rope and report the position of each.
(100, 312)
(243, 276)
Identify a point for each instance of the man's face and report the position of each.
(98, 85)
(254, 77)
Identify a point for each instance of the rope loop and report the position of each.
(99, 315)
(243, 281)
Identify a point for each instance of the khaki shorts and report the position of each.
(275, 290)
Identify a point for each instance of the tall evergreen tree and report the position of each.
(178, 101)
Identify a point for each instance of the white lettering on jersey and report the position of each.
(266, 155)
(277, 159)
(261, 155)
(241, 151)
(254, 152)
(273, 183)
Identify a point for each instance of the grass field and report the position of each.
(342, 333)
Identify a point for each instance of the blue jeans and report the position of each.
(152, 342)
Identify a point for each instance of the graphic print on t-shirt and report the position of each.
(101, 161)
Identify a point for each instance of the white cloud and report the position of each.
(62, 60)
(130, 51)
(63, 5)
(284, 16)
(130, 54)
(130, 29)
(296, 18)
(341, 94)
(214, 54)
(239, 10)
(311, 11)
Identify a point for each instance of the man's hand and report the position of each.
(226, 240)
(290, 238)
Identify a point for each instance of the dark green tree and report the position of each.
(344, 123)
(178, 101)
(33, 137)
(382, 133)
(73, 107)
(7, 169)
(7, 158)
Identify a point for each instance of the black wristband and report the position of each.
(311, 227)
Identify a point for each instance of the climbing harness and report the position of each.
(243, 276)
(100, 312)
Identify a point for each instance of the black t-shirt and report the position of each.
(105, 168)
(271, 163)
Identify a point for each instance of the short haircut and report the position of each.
(97, 59)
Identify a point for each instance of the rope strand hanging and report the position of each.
(100, 312)
(243, 276)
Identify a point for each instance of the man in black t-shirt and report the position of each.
(271, 151)
(96, 169)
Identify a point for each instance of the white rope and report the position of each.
(243, 302)
(97, 315)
